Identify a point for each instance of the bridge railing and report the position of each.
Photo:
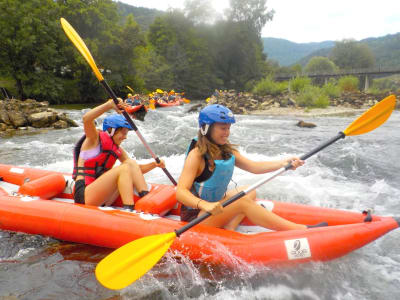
(363, 71)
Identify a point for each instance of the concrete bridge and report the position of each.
(363, 74)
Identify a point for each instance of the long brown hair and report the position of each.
(213, 150)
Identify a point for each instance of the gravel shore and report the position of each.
(317, 112)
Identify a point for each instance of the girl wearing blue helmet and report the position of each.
(208, 169)
(96, 181)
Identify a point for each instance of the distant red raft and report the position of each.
(39, 202)
(135, 108)
(167, 104)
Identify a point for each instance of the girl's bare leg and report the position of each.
(257, 214)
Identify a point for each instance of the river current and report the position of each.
(356, 173)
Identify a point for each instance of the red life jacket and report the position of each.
(105, 160)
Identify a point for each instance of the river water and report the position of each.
(356, 173)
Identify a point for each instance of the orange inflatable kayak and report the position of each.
(135, 108)
(168, 104)
(40, 202)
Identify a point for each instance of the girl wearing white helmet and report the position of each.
(96, 181)
(208, 169)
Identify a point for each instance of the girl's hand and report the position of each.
(161, 164)
(295, 161)
(213, 208)
(118, 108)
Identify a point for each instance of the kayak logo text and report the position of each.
(298, 248)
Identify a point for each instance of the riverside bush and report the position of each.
(331, 89)
(391, 83)
(312, 97)
(267, 86)
(299, 83)
(348, 83)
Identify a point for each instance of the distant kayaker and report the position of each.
(136, 100)
(96, 181)
(208, 169)
(129, 99)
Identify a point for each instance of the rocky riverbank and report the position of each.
(285, 104)
(20, 117)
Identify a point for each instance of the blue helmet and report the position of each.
(215, 113)
(115, 121)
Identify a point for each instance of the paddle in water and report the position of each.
(81, 46)
(131, 261)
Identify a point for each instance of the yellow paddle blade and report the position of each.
(152, 104)
(186, 100)
(372, 118)
(130, 262)
(80, 45)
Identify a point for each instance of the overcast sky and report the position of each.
(315, 20)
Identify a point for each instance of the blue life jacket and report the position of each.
(214, 187)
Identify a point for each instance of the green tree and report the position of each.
(175, 38)
(238, 54)
(320, 65)
(199, 11)
(252, 12)
(349, 54)
(127, 41)
(96, 21)
(29, 48)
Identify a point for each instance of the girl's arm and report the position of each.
(92, 135)
(262, 167)
(145, 167)
(150, 166)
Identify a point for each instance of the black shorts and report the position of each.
(79, 191)
(188, 214)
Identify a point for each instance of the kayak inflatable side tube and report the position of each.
(160, 201)
(45, 187)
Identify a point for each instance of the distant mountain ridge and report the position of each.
(288, 53)
(142, 15)
(386, 50)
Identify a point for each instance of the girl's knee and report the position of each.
(245, 202)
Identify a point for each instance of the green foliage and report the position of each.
(179, 51)
(28, 48)
(267, 86)
(312, 97)
(348, 83)
(184, 53)
(391, 83)
(320, 65)
(331, 89)
(349, 54)
(237, 54)
(375, 91)
(251, 12)
(299, 83)
(143, 16)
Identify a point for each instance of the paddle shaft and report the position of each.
(130, 121)
(276, 173)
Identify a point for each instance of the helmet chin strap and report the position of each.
(112, 132)
(205, 129)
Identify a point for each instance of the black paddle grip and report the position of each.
(206, 215)
(340, 135)
(115, 99)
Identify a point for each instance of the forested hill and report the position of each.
(287, 52)
(386, 50)
(143, 16)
